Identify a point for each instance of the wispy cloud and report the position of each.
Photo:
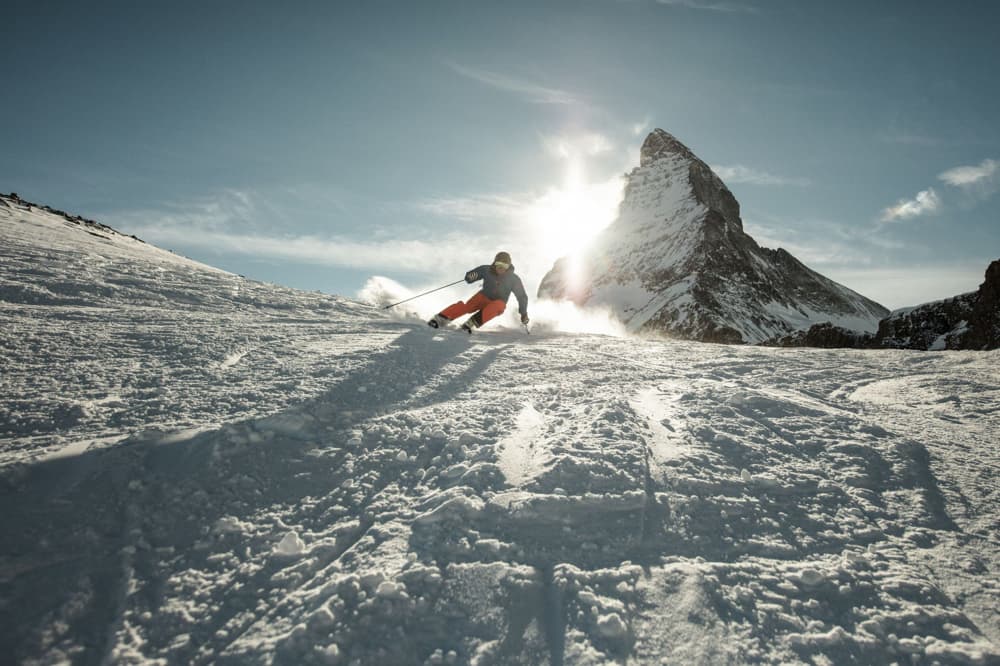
(567, 146)
(744, 174)
(980, 181)
(476, 207)
(857, 258)
(333, 251)
(216, 212)
(821, 243)
(708, 5)
(982, 178)
(238, 222)
(926, 202)
(529, 90)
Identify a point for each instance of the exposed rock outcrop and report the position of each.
(966, 321)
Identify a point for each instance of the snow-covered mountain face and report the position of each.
(197, 468)
(676, 260)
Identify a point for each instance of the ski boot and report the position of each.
(473, 322)
(438, 321)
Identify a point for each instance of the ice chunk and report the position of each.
(612, 626)
(330, 654)
(811, 577)
(390, 590)
(229, 525)
(460, 507)
(290, 545)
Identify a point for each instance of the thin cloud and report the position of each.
(529, 90)
(326, 251)
(220, 212)
(722, 7)
(212, 212)
(821, 243)
(926, 202)
(475, 208)
(982, 178)
(743, 174)
(857, 258)
(232, 223)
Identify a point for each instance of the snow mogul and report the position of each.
(499, 280)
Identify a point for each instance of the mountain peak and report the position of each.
(676, 260)
(661, 143)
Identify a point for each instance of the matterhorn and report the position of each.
(677, 261)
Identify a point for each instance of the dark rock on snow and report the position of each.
(967, 321)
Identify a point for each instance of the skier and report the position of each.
(499, 280)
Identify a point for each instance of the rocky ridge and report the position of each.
(14, 202)
(966, 321)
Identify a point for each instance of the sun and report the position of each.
(565, 219)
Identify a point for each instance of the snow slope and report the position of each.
(197, 468)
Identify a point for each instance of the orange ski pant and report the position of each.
(490, 308)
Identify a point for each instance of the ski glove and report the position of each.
(471, 276)
(524, 318)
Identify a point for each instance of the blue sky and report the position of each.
(318, 144)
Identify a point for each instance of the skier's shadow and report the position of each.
(75, 527)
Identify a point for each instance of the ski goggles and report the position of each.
(502, 265)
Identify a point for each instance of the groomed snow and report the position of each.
(198, 468)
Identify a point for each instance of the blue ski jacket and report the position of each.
(499, 287)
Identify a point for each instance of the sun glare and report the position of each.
(567, 218)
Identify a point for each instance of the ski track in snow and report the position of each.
(516, 452)
(659, 408)
(360, 489)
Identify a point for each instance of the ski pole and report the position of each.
(423, 294)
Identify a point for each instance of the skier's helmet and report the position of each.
(502, 260)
